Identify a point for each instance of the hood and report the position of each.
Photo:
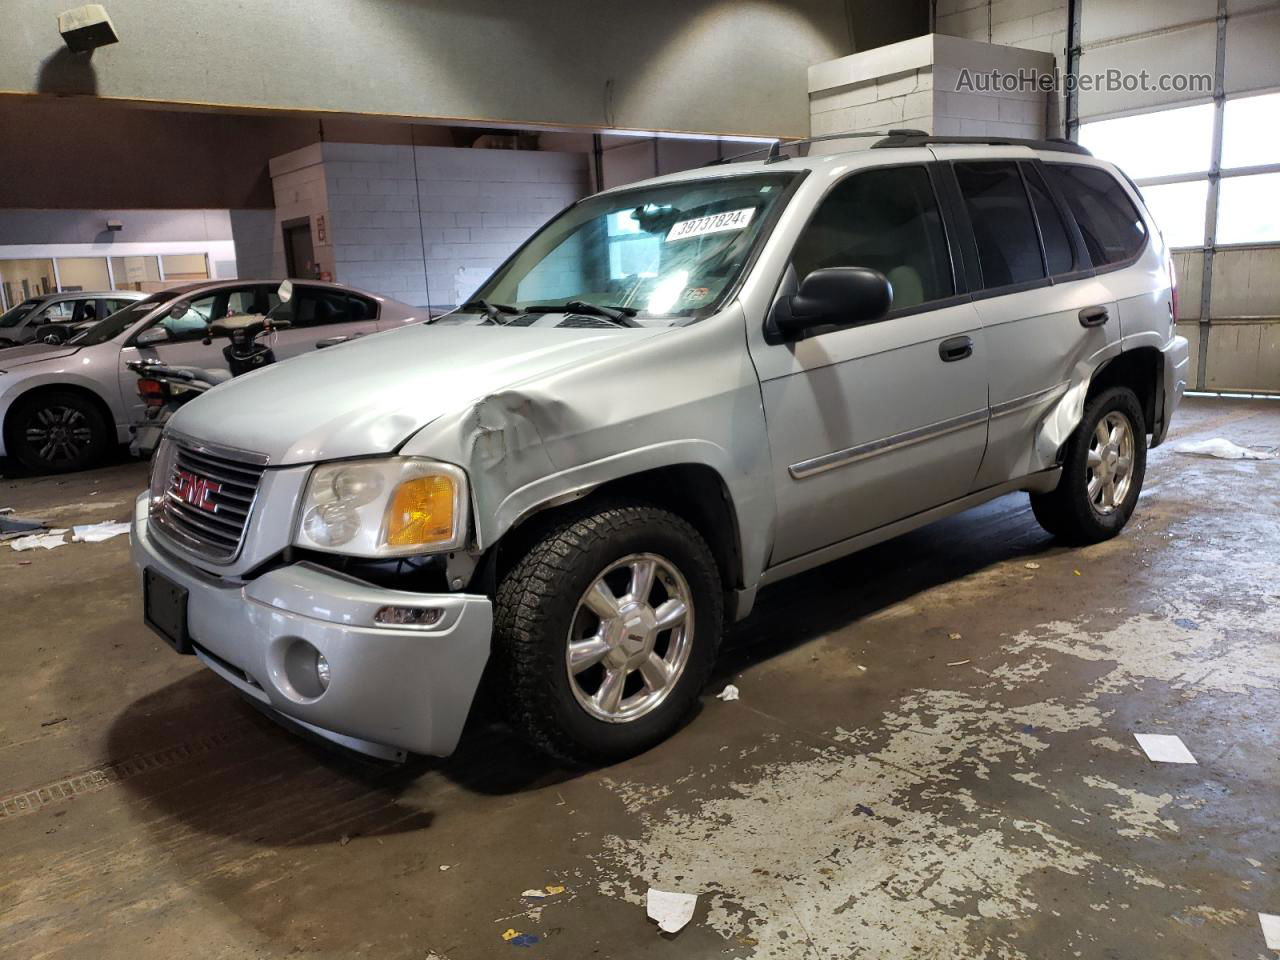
(11, 357)
(368, 396)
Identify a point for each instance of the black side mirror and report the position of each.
(832, 297)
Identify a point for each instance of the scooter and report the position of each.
(166, 388)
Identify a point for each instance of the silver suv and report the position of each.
(674, 394)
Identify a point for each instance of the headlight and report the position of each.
(388, 507)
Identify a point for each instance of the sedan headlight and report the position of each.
(388, 507)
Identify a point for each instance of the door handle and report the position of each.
(1094, 316)
(956, 348)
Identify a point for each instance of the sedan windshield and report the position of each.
(120, 321)
(14, 316)
(664, 254)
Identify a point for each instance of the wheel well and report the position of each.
(693, 492)
(1140, 371)
(98, 403)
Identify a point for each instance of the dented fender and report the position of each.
(688, 398)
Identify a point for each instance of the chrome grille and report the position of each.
(204, 498)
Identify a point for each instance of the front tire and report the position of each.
(1102, 471)
(606, 631)
(57, 431)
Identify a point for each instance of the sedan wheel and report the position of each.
(57, 432)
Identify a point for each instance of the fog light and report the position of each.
(408, 616)
(322, 671)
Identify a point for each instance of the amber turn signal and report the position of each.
(421, 512)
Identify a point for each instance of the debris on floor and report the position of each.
(1221, 448)
(730, 692)
(12, 527)
(671, 910)
(1270, 929)
(1031, 565)
(957, 663)
(1186, 624)
(97, 532)
(53, 723)
(953, 637)
(48, 541)
(1164, 748)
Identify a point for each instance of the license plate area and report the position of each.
(165, 610)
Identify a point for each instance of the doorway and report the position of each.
(299, 254)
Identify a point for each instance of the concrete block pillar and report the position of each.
(939, 84)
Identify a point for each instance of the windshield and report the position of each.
(14, 316)
(669, 253)
(120, 321)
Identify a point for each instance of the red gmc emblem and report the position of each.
(193, 490)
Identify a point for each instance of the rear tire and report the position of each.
(57, 431)
(1102, 471)
(591, 675)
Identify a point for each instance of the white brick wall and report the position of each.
(1030, 24)
(478, 206)
(919, 90)
(471, 207)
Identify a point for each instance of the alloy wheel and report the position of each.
(1109, 467)
(59, 434)
(630, 638)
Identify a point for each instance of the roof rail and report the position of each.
(897, 138)
(774, 149)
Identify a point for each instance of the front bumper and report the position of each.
(391, 689)
(1177, 364)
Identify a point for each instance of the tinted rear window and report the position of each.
(1008, 247)
(1112, 229)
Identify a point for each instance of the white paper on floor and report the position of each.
(1270, 930)
(1164, 748)
(97, 532)
(671, 910)
(46, 540)
(1221, 448)
(730, 692)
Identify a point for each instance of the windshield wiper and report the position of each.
(622, 316)
(492, 311)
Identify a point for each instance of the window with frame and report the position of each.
(887, 219)
(1109, 222)
(1058, 254)
(1003, 226)
(316, 307)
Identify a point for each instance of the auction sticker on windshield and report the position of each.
(712, 223)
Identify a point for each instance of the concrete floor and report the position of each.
(933, 756)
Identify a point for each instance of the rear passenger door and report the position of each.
(1048, 321)
(317, 314)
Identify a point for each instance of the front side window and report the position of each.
(886, 219)
(194, 317)
(668, 252)
(1008, 246)
(1109, 222)
(61, 312)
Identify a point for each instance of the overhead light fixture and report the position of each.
(86, 28)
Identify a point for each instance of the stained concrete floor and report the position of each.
(933, 756)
